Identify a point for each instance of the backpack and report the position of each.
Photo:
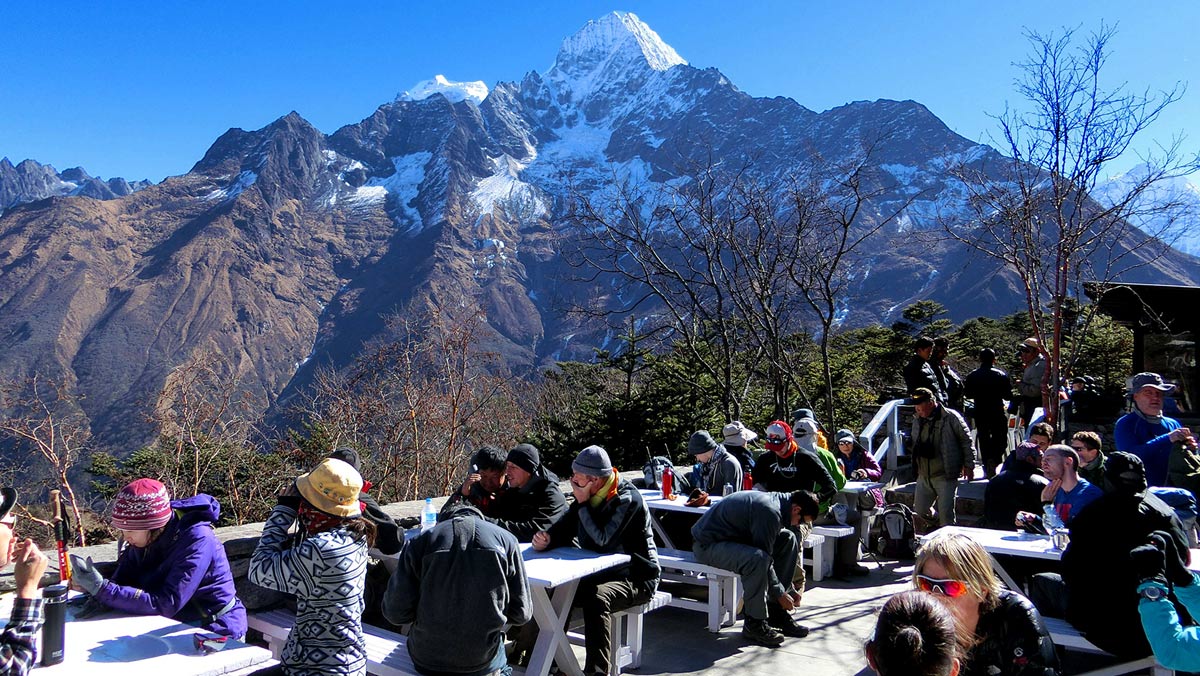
(893, 532)
(654, 468)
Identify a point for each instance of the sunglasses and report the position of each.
(776, 440)
(951, 588)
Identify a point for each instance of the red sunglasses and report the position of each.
(951, 588)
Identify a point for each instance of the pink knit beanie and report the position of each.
(142, 505)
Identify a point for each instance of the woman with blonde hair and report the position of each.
(914, 636)
(1000, 633)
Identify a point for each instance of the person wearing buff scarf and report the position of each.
(608, 516)
(326, 570)
(718, 468)
(1150, 435)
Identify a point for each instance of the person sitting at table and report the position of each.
(914, 636)
(531, 501)
(1042, 434)
(750, 533)
(484, 484)
(172, 565)
(841, 510)
(1017, 488)
(608, 516)
(858, 465)
(1161, 566)
(718, 468)
(464, 567)
(1091, 458)
(1000, 631)
(326, 570)
(18, 644)
(737, 440)
(1096, 591)
(1067, 492)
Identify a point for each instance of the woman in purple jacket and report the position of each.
(173, 564)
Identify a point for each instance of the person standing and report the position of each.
(750, 533)
(1030, 388)
(18, 644)
(464, 567)
(608, 516)
(942, 453)
(919, 373)
(950, 383)
(989, 387)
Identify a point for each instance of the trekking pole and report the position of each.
(60, 537)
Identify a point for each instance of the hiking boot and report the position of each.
(782, 622)
(761, 633)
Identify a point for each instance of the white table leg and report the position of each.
(552, 645)
(661, 532)
(1004, 576)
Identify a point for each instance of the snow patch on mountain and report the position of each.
(505, 187)
(1176, 202)
(397, 190)
(244, 180)
(454, 91)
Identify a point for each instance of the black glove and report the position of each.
(1176, 568)
(1148, 563)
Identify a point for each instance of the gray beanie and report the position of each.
(701, 442)
(592, 461)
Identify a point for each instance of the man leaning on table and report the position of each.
(749, 532)
(17, 649)
(608, 516)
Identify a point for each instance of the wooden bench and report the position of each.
(386, 653)
(625, 634)
(1064, 634)
(724, 592)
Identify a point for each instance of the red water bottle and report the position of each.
(747, 481)
(668, 482)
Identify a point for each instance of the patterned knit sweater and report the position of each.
(327, 573)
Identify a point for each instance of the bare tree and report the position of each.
(419, 403)
(1035, 213)
(41, 416)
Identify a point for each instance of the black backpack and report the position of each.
(894, 533)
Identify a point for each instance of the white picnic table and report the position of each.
(1028, 545)
(119, 644)
(554, 576)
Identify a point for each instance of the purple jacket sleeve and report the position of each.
(871, 465)
(188, 562)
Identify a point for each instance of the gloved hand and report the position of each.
(1175, 561)
(84, 575)
(289, 497)
(1148, 563)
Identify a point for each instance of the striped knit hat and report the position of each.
(142, 505)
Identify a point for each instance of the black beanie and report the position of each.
(1125, 473)
(349, 456)
(526, 457)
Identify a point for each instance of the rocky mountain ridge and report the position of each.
(287, 250)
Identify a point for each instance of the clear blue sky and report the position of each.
(141, 89)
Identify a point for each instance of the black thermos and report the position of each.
(54, 630)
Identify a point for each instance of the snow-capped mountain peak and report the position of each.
(617, 36)
(1178, 225)
(455, 92)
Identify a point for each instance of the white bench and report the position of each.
(827, 556)
(386, 653)
(724, 592)
(822, 559)
(625, 634)
(1064, 634)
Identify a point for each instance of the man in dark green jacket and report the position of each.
(748, 532)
